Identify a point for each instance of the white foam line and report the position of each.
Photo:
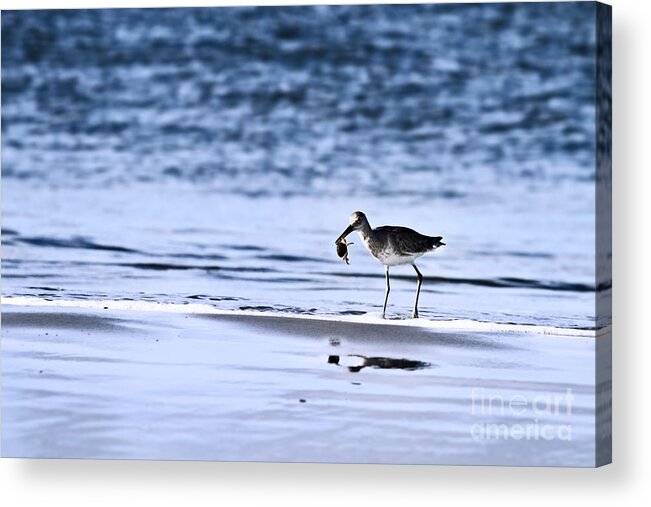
(198, 308)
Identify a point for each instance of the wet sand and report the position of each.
(95, 383)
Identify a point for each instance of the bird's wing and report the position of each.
(407, 241)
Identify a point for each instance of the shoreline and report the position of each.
(466, 326)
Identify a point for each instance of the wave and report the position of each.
(74, 242)
(498, 282)
(458, 325)
(290, 258)
(80, 242)
(83, 243)
(502, 282)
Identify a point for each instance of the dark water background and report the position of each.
(213, 155)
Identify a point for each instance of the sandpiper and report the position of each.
(392, 246)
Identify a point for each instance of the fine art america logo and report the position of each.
(518, 417)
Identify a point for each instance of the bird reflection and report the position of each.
(384, 363)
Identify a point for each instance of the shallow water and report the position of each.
(215, 154)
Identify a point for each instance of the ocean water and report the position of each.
(213, 156)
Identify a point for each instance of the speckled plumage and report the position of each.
(394, 245)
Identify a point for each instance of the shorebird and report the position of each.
(392, 246)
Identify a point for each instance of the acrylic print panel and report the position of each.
(174, 182)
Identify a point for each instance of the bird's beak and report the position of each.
(348, 230)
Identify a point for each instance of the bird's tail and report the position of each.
(436, 241)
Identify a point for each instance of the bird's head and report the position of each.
(356, 222)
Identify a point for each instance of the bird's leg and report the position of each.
(387, 290)
(420, 281)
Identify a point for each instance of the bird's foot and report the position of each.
(414, 315)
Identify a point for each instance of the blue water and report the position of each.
(213, 155)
